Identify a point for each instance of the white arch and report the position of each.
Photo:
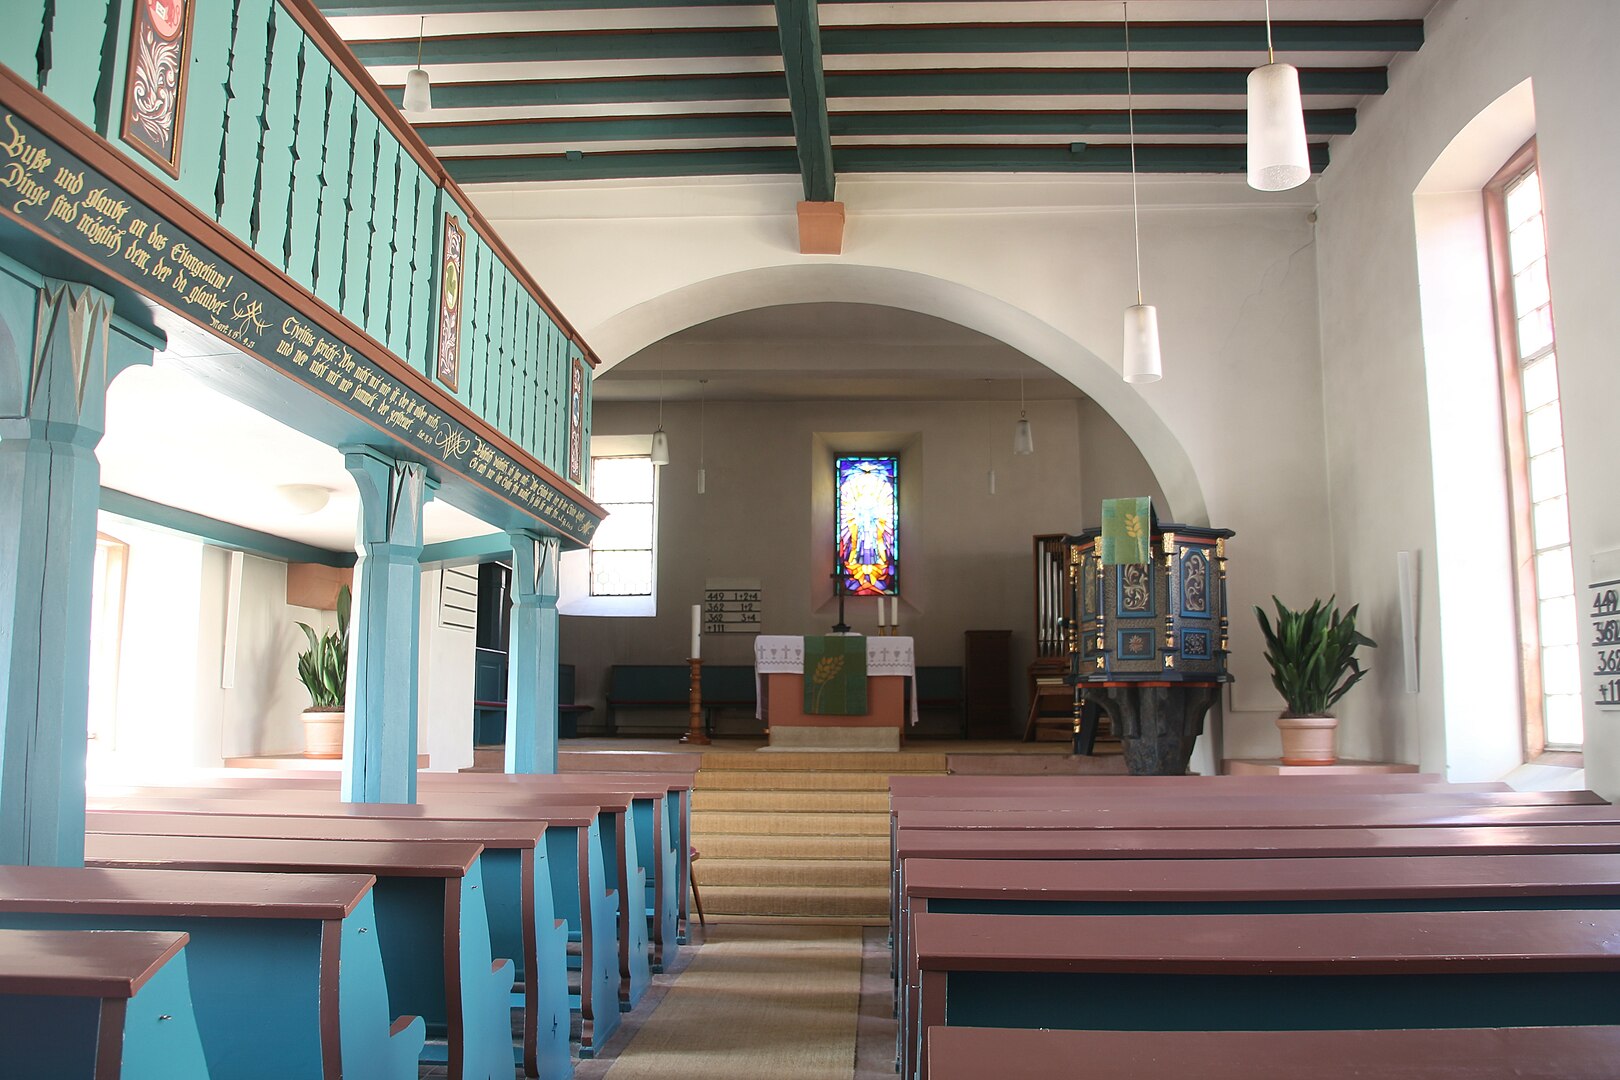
(626, 333)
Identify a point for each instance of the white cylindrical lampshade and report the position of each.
(1279, 158)
(1023, 437)
(418, 100)
(992, 481)
(660, 448)
(703, 481)
(1142, 344)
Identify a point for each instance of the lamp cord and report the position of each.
(421, 29)
(1271, 54)
(1130, 112)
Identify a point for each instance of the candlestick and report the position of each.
(697, 632)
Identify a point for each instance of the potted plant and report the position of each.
(1313, 665)
(323, 668)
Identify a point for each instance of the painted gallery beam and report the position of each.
(1074, 123)
(662, 43)
(1078, 158)
(218, 533)
(961, 82)
(799, 29)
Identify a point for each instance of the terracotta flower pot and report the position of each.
(1309, 740)
(323, 733)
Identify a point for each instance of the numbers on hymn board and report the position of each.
(1604, 616)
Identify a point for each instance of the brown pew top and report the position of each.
(1556, 1053)
(83, 963)
(1436, 877)
(639, 787)
(929, 784)
(319, 790)
(325, 805)
(1217, 843)
(1363, 943)
(1239, 799)
(1291, 816)
(403, 858)
(642, 785)
(492, 834)
(112, 891)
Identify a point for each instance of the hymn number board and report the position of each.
(731, 606)
(1603, 624)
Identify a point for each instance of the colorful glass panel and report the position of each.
(868, 524)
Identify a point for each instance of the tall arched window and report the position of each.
(1534, 436)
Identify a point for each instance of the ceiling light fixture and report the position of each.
(1023, 437)
(418, 99)
(1141, 363)
(660, 442)
(1279, 157)
(990, 443)
(302, 500)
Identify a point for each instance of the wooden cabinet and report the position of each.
(987, 683)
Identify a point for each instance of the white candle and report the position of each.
(697, 631)
(881, 623)
(894, 611)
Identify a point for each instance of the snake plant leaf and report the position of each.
(1312, 654)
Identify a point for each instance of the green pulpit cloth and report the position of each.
(835, 676)
(1127, 531)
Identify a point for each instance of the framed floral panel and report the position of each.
(155, 89)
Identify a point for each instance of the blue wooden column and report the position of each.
(379, 741)
(58, 351)
(531, 664)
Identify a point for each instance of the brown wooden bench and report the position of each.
(1368, 970)
(1539, 1053)
(517, 886)
(458, 988)
(97, 1005)
(1242, 886)
(286, 975)
(1282, 784)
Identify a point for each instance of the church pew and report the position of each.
(579, 850)
(1368, 970)
(97, 1005)
(517, 896)
(1234, 886)
(432, 926)
(286, 975)
(659, 816)
(929, 784)
(1537, 1053)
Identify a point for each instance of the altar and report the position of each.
(891, 670)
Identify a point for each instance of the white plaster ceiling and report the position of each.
(830, 352)
(172, 440)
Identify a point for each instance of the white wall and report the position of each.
(1378, 429)
(965, 554)
(1233, 434)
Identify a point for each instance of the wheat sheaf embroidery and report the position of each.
(826, 671)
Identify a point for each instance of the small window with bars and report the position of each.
(623, 551)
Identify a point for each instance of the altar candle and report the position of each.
(697, 630)
(881, 623)
(894, 611)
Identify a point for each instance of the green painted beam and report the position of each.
(333, 9)
(755, 125)
(951, 40)
(491, 547)
(962, 82)
(219, 533)
(1217, 158)
(799, 24)
(491, 170)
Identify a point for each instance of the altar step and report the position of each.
(797, 835)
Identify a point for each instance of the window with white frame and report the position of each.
(1534, 430)
(623, 550)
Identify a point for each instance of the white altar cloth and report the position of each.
(783, 654)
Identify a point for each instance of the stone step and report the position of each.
(785, 823)
(798, 848)
(807, 873)
(824, 761)
(740, 780)
(871, 802)
(867, 902)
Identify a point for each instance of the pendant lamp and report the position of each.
(1279, 158)
(1141, 360)
(990, 443)
(660, 441)
(1023, 436)
(418, 99)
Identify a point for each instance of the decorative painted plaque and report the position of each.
(449, 356)
(155, 91)
(576, 423)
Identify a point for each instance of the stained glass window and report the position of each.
(868, 525)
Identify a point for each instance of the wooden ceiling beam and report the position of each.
(756, 125)
(1151, 158)
(799, 25)
(958, 82)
